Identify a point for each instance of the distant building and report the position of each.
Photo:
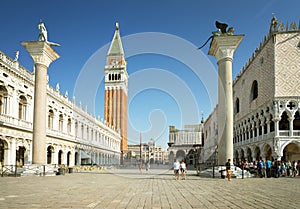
(266, 96)
(150, 153)
(185, 144)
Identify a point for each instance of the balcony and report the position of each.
(18, 123)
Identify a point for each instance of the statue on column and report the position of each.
(43, 31)
(222, 30)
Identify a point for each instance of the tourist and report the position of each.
(260, 166)
(228, 171)
(283, 168)
(148, 166)
(298, 166)
(183, 170)
(294, 169)
(176, 169)
(268, 168)
(288, 168)
(263, 168)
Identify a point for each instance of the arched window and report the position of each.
(296, 122)
(87, 133)
(22, 108)
(76, 128)
(61, 122)
(82, 131)
(284, 122)
(50, 119)
(254, 91)
(260, 128)
(237, 105)
(109, 77)
(265, 127)
(69, 126)
(3, 100)
(272, 124)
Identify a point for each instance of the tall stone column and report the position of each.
(222, 48)
(42, 54)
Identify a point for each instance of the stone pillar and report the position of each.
(42, 54)
(222, 47)
(290, 119)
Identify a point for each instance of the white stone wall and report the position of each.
(287, 70)
(210, 138)
(259, 68)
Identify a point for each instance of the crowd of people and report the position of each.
(268, 168)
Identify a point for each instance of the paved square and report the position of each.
(126, 188)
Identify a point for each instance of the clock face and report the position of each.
(114, 62)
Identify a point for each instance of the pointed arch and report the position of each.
(296, 121)
(284, 122)
(237, 105)
(254, 91)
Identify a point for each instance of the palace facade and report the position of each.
(266, 98)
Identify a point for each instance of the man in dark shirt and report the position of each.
(228, 171)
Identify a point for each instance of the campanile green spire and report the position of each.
(116, 47)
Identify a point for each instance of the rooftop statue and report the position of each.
(43, 31)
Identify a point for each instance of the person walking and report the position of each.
(228, 171)
(183, 170)
(176, 169)
(148, 167)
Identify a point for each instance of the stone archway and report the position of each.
(50, 150)
(249, 155)
(257, 154)
(291, 152)
(20, 156)
(236, 156)
(171, 158)
(76, 158)
(60, 156)
(242, 155)
(268, 152)
(180, 155)
(3, 152)
(68, 158)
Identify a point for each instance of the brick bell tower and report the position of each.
(116, 87)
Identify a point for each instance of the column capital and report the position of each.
(41, 52)
(224, 46)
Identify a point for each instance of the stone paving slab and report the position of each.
(126, 188)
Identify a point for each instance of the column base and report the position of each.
(220, 172)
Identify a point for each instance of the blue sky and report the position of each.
(165, 87)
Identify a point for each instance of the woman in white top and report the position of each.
(183, 169)
(176, 169)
